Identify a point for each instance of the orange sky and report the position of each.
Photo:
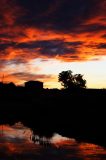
(37, 40)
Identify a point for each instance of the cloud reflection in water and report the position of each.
(15, 143)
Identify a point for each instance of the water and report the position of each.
(16, 144)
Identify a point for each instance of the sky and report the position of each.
(41, 38)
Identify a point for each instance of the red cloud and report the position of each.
(9, 12)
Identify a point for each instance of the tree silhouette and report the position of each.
(70, 81)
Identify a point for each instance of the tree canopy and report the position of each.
(71, 81)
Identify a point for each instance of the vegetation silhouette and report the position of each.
(71, 81)
(81, 114)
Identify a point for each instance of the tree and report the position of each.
(71, 81)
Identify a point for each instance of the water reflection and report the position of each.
(16, 142)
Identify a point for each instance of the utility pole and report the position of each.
(3, 79)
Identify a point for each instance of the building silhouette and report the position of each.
(34, 85)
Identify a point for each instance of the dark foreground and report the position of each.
(81, 115)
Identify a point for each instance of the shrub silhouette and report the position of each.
(71, 81)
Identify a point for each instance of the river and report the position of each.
(17, 142)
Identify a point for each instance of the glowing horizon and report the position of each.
(49, 75)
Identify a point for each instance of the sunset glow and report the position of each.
(40, 39)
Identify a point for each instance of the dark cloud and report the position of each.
(52, 47)
(9, 12)
(46, 47)
(75, 43)
(103, 36)
(91, 28)
(101, 46)
(5, 35)
(48, 43)
(57, 48)
(5, 45)
(66, 15)
(29, 76)
(9, 36)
